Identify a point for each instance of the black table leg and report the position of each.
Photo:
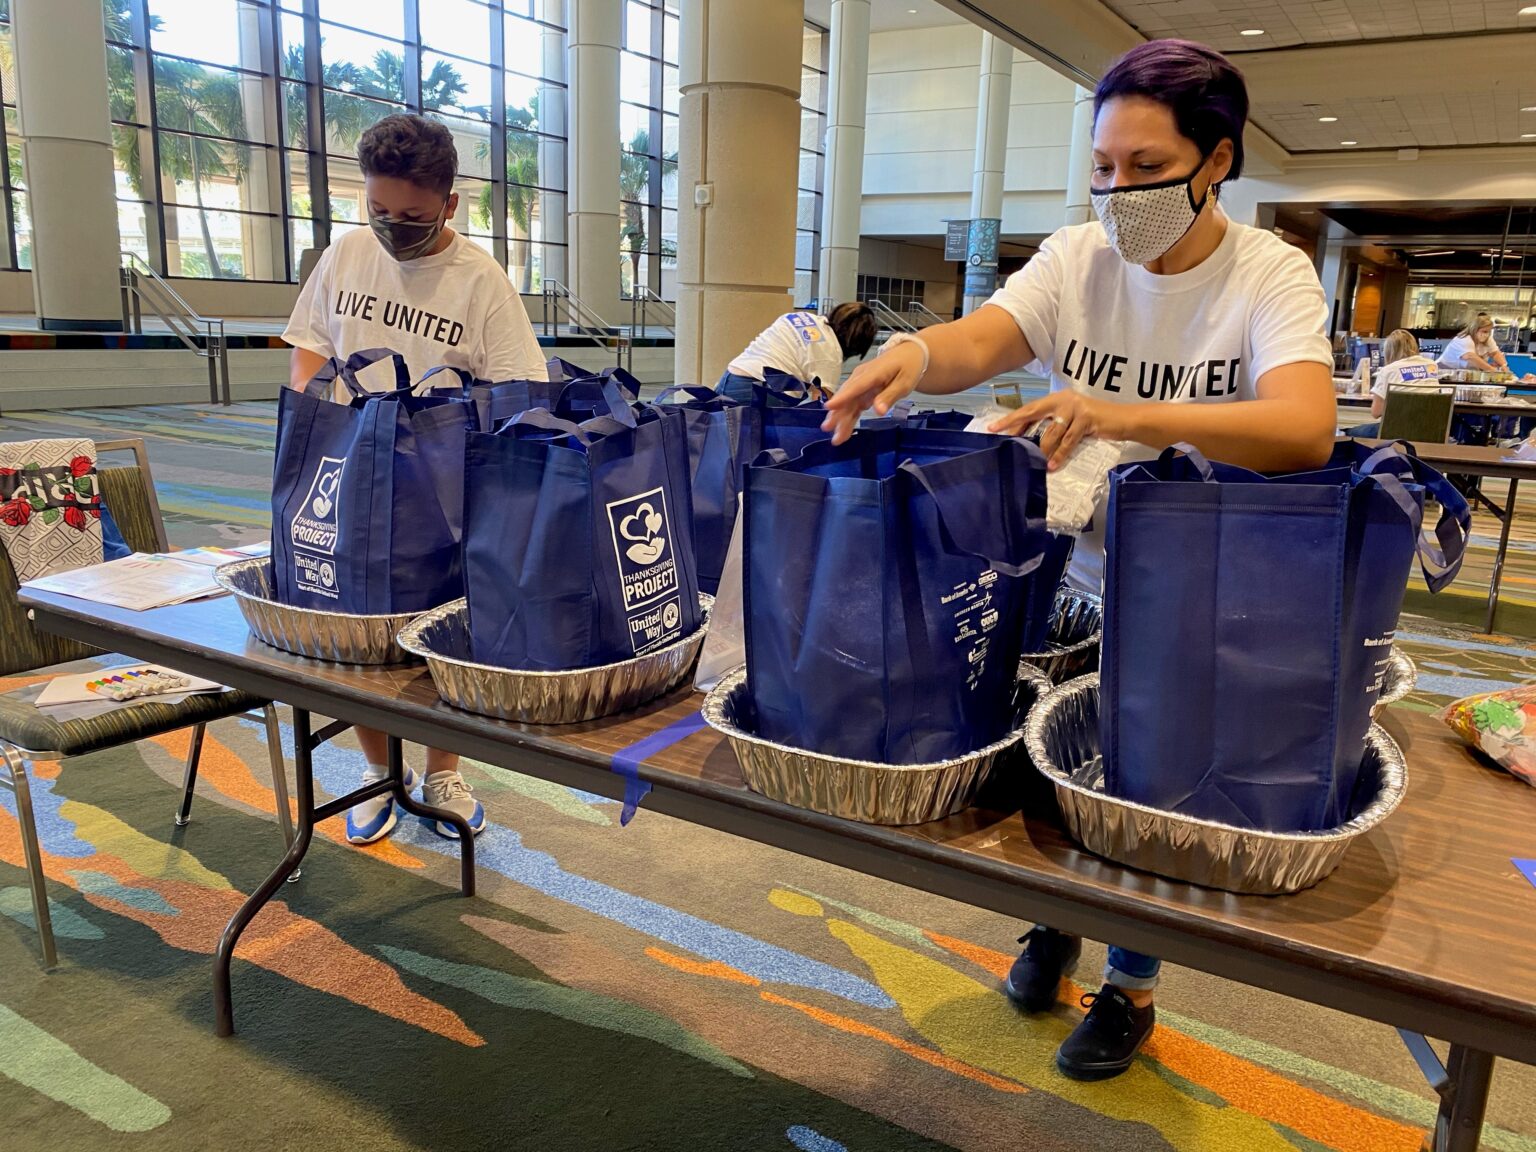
(1498, 559)
(1462, 1083)
(415, 808)
(1464, 1101)
(304, 786)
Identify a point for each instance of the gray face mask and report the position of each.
(408, 239)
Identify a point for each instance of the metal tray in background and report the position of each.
(339, 637)
(1077, 628)
(858, 789)
(1401, 677)
(441, 638)
(1062, 735)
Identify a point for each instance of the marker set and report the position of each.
(131, 683)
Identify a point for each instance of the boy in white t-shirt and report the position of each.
(412, 284)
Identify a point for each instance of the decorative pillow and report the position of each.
(1502, 725)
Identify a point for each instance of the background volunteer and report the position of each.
(1402, 367)
(1165, 322)
(1474, 348)
(808, 347)
(411, 284)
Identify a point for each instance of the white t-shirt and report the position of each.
(1119, 332)
(1409, 372)
(800, 343)
(456, 308)
(1454, 355)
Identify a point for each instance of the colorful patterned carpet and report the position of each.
(656, 986)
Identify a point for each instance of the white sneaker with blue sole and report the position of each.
(375, 819)
(448, 790)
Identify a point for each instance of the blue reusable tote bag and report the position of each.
(882, 591)
(1247, 619)
(367, 496)
(493, 402)
(577, 544)
(723, 438)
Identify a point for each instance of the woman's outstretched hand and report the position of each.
(878, 383)
(1071, 415)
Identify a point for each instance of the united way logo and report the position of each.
(805, 326)
(314, 531)
(647, 568)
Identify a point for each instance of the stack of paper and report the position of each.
(149, 579)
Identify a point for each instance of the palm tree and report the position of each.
(522, 178)
(193, 100)
(634, 182)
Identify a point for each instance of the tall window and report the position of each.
(236, 124)
(813, 163)
(13, 184)
(648, 146)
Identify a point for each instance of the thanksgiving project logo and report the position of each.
(647, 569)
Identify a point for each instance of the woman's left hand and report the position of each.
(1072, 417)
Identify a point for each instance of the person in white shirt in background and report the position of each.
(808, 347)
(1164, 322)
(1473, 348)
(1402, 367)
(411, 284)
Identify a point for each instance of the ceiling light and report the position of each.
(1260, 31)
(1528, 135)
(1438, 252)
(1528, 10)
(1327, 119)
(1348, 143)
(1529, 108)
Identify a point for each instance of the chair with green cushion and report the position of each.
(26, 733)
(1418, 414)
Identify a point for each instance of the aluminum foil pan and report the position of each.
(853, 789)
(335, 636)
(1062, 735)
(1401, 676)
(441, 638)
(1073, 645)
(1480, 393)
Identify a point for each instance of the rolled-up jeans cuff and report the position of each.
(1128, 983)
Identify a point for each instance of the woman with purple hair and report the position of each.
(1162, 322)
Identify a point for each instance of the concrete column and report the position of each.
(1080, 160)
(553, 120)
(1338, 285)
(843, 195)
(740, 130)
(66, 142)
(1394, 299)
(593, 223)
(993, 98)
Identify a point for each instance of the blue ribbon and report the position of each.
(626, 761)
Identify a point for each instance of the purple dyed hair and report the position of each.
(1205, 93)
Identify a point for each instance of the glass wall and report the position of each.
(813, 163)
(236, 123)
(648, 146)
(13, 184)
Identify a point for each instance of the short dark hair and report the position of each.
(1200, 86)
(410, 148)
(854, 324)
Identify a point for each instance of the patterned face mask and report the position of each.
(1143, 221)
(408, 239)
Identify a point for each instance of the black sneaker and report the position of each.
(1036, 975)
(1109, 1037)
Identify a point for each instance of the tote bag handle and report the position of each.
(985, 532)
(1441, 559)
(346, 371)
